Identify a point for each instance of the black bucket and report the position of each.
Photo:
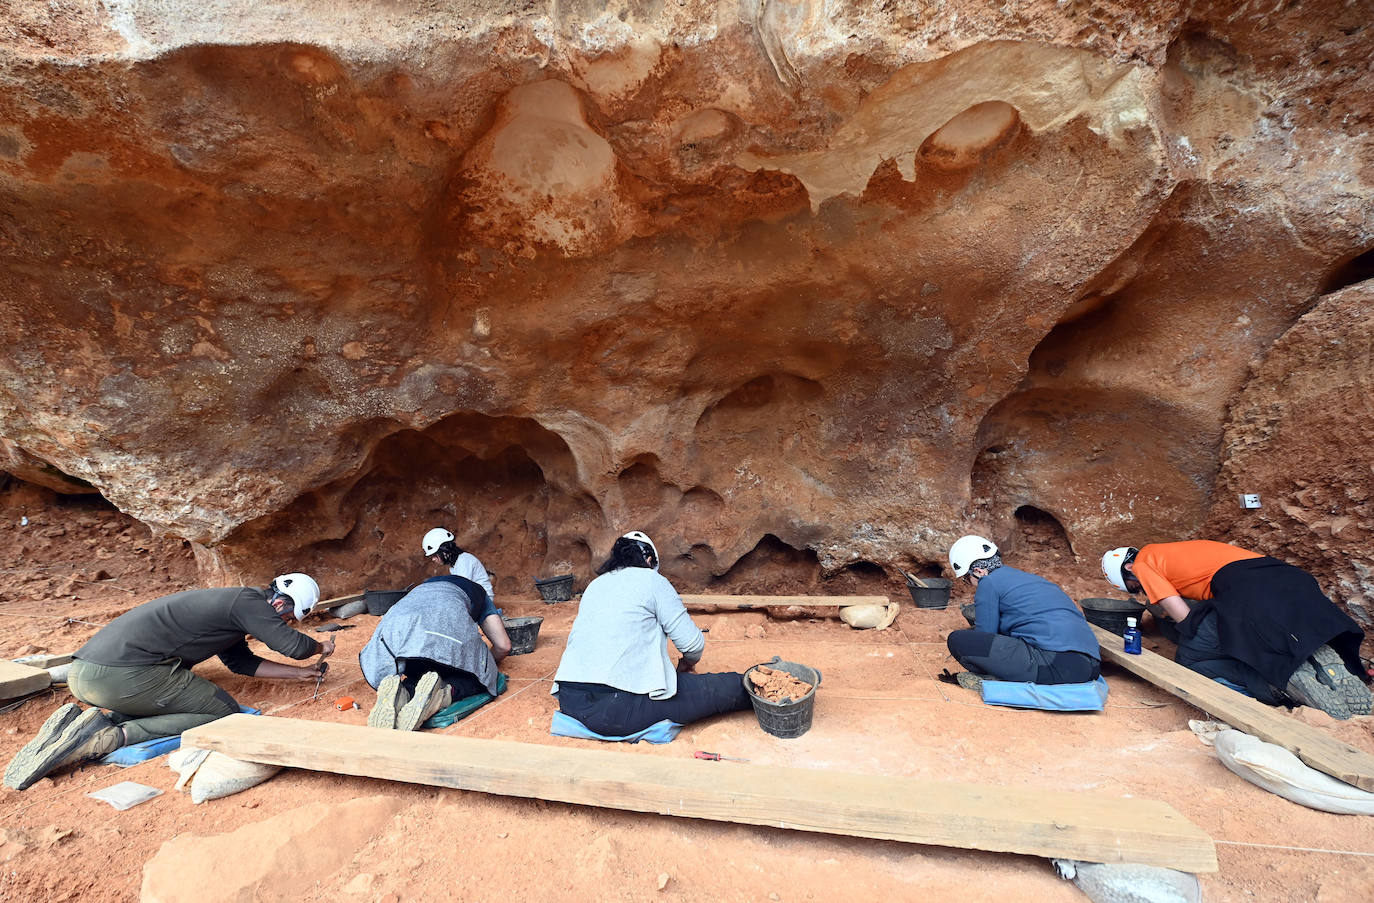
(379, 601)
(935, 593)
(555, 589)
(786, 720)
(1111, 614)
(523, 633)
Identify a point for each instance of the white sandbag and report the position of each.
(869, 617)
(184, 761)
(1279, 771)
(220, 775)
(1129, 883)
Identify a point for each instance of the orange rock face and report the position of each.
(804, 292)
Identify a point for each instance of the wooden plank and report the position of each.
(45, 661)
(337, 601)
(1314, 746)
(744, 603)
(1088, 827)
(20, 680)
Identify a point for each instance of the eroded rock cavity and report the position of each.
(805, 291)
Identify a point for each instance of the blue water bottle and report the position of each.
(1132, 637)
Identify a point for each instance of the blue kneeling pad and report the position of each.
(1089, 697)
(664, 731)
(151, 749)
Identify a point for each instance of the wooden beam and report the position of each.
(45, 660)
(20, 680)
(1010, 819)
(1314, 746)
(337, 601)
(744, 603)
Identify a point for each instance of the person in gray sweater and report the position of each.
(139, 667)
(616, 676)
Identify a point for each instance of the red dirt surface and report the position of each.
(308, 836)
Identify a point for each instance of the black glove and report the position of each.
(945, 677)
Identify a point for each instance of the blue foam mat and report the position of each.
(151, 749)
(1087, 697)
(664, 731)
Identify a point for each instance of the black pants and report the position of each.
(461, 682)
(616, 713)
(1008, 658)
(1201, 651)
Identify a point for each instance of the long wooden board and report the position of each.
(20, 680)
(339, 600)
(1315, 747)
(1081, 826)
(743, 603)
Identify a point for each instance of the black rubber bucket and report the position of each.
(555, 589)
(523, 633)
(1111, 614)
(379, 601)
(935, 593)
(786, 720)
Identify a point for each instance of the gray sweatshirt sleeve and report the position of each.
(673, 617)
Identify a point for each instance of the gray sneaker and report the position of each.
(89, 736)
(391, 697)
(431, 695)
(1323, 682)
(52, 729)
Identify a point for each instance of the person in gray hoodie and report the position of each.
(616, 676)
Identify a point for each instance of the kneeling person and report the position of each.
(427, 652)
(1026, 629)
(139, 667)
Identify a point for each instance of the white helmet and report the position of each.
(968, 549)
(434, 539)
(1112, 564)
(643, 538)
(301, 589)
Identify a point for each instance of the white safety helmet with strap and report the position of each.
(644, 540)
(1113, 564)
(434, 539)
(968, 549)
(301, 589)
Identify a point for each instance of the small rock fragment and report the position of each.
(663, 880)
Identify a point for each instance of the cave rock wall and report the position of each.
(791, 285)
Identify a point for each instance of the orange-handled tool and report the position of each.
(715, 757)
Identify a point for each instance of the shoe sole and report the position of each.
(46, 760)
(20, 765)
(413, 714)
(383, 713)
(1308, 687)
(1333, 672)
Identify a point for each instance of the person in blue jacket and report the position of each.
(1025, 628)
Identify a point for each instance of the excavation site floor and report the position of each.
(880, 711)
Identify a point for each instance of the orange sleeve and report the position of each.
(1155, 584)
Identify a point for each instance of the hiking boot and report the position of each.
(52, 729)
(431, 695)
(1323, 682)
(969, 681)
(391, 696)
(89, 736)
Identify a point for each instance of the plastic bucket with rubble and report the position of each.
(786, 720)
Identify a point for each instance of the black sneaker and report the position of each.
(89, 736)
(52, 729)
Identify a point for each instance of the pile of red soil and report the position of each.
(777, 686)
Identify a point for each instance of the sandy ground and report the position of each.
(312, 836)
